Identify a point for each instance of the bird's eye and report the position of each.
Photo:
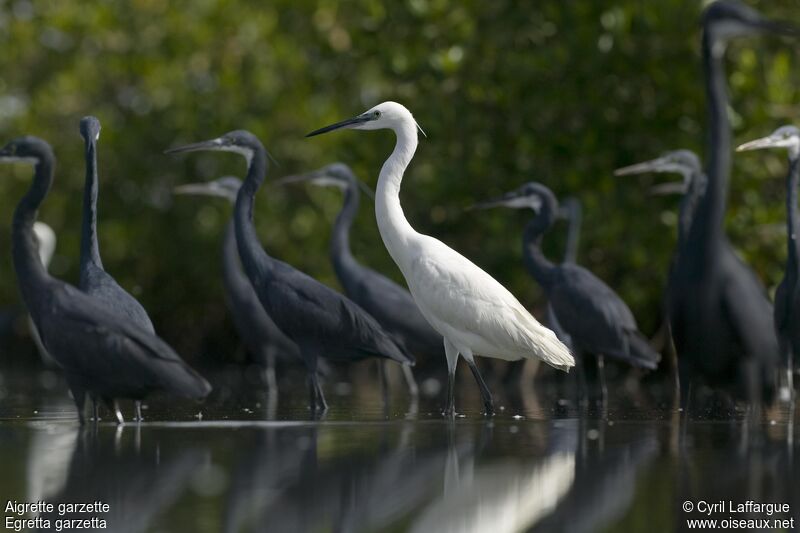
(377, 114)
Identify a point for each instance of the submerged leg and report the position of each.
(486, 394)
(452, 361)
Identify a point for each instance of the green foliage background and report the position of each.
(558, 92)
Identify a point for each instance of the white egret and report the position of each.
(474, 313)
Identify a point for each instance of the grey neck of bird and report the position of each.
(90, 248)
(31, 274)
(340, 251)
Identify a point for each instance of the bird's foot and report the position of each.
(489, 409)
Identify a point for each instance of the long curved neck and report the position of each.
(392, 224)
(31, 274)
(541, 268)
(254, 259)
(792, 222)
(90, 249)
(698, 185)
(707, 230)
(340, 240)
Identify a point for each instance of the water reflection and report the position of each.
(505, 474)
(137, 480)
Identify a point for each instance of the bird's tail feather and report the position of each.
(642, 354)
(184, 381)
(544, 343)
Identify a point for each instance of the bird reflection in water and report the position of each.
(138, 478)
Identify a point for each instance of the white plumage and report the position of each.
(475, 314)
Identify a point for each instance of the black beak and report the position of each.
(360, 119)
(6, 151)
(196, 147)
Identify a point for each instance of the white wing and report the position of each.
(473, 310)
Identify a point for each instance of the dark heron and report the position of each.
(261, 336)
(590, 312)
(721, 321)
(322, 322)
(571, 211)
(787, 296)
(474, 313)
(692, 188)
(390, 304)
(100, 353)
(94, 280)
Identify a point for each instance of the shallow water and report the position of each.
(246, 463)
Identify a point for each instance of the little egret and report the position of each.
(100, 353)
(590, 312)
(94, 280)
(390, 304)
(787, 296)
(261, 336)
(322, 322)
(474, 313)
(720, 329)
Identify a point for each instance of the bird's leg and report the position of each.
(413, 390)
(583, 387)
(312, 393)
(269, 373)
(674, 370)
(95, 408)
(601, 376)
(113, 405)
(452, 362)
(138, 415)
(321, 403)
(79, 397)
(486, 394)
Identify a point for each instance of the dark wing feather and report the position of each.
(306, 310)
(100, 285)
(591, 313)
(110, 356)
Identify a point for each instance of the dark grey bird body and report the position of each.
(721, 321)
(262, 338)
(571, 210)
(94, 280)
(787, 296)
(595, 318)
(258, 331)
(322, 322)
(100, 353)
